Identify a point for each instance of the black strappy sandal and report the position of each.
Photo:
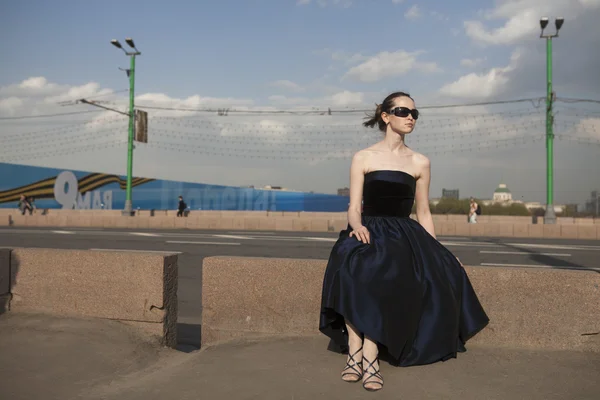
(355, 372)
(375, 374)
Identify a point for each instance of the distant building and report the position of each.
(450, 194)
(271, 187)
(593, 206)
(502, 194)
(343, 192)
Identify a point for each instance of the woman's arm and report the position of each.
(422, 194)
(357, 177)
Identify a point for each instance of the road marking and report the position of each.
(321, 239)
(64, 232)
(555, 246)
(144, 234)
(539, 266)
(251, 233)
(470, 244)
(233, 237)
(525, 253)
(140, 251)
(216, 243)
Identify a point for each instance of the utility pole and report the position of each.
(550, 215)
(128, 209)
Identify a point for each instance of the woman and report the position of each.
(389, 284)
(473, 212)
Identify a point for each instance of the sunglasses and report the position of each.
(404, 112)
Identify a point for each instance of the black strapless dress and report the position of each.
(405, 289)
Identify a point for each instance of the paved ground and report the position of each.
(49, 358)
(193, 246)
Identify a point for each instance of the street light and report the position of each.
(131, 74)
(550, 215)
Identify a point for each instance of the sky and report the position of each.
(258, 58)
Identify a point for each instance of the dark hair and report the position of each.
(386, 106)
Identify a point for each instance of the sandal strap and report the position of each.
(353, 366)
(375, 374)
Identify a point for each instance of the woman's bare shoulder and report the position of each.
(419, 159)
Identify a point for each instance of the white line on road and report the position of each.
(64, 232)
(215, 243)
(144, 234)
(252, 233)
(141, 251)
(525, 253)
(538, 266)
(469, 244)
(321, 239)
(233, 237)
(555, 247)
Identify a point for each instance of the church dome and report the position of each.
(502, 189)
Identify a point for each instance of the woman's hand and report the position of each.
(362, 234)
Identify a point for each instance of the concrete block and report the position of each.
(339, 225)
(492, 229)
(114, 285)
(586, 232)
(528, 308)
(301, 224)
(226, 223)
(536, 230)
(5, 282)
(538, 308)
(251, 223)
(507, 230)
(476, 229)
(462, 229)
(446, 228)
(284, 224)
(319, 225)
(551, 231)
(142, 222)
(266, 224)
(521, 230)
(291, 214)
(238, 223)
(253, 297)
(570, 231)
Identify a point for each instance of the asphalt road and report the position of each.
(193, 246)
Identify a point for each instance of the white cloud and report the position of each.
(521, 18)
(339, 99)
(482, 85)
(389, 64)
(287, 85)
(471, 62)
(413, 12)
(347, 99)
(37, 82)
(10, 105)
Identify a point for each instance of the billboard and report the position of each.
(69, 189)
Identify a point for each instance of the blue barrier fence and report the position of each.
(57, 188)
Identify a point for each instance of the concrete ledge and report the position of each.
(528, 308)
(4, 272)
(136, 288)
(448, 225)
